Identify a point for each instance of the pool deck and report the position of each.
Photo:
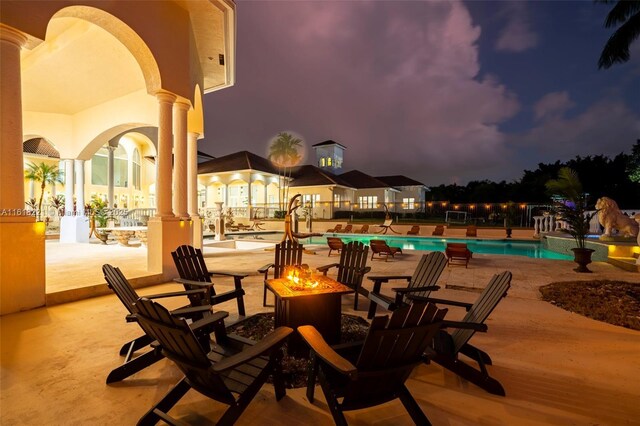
(557, 368)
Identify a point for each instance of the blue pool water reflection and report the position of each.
(513, 248)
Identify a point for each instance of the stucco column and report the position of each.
(22, 266)
(163, 161)
(249, 200)
(192, 173)
(68, 187)
(12, 170)
(79, 186)
(226, 195)
(32, 189)
(180, 159)
(110, 174)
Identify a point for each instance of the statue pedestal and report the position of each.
(617, 239)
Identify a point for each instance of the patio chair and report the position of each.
(119, 284)
(334, 243)
(347, 229)
(448, 346)
(421, 283)
(363, 229)
(231, 372)
(287, 253)
(415, 230)
(458, 252)
(472, 231)
(386, 226)
(381, 248)
(351, 268)
(193, 273)
(335, 229)
(375, 371)
(438, 231)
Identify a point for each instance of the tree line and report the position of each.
(617, 178)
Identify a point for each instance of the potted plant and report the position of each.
(570, 202)
(509, 218)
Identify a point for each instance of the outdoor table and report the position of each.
(320, 307)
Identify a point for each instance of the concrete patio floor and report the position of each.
(557, 367)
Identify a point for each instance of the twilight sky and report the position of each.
(441, 92)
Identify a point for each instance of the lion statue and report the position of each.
(610, 216)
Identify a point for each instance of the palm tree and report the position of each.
(283, 152)
(572, 203)
(625, 13)
(45, 174)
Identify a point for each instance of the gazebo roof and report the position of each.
(40, 146)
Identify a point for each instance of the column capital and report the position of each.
(165, 97)
(193, 135)
(181, 104)
(12, 35)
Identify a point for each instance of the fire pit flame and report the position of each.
(300, 277)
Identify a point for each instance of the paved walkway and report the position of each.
(557, 367)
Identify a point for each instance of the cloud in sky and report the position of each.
(403, 89)
(392, 84)
(552, 105)
(517, 35)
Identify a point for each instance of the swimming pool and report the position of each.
(513, 248)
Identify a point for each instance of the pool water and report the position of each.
(513, 248)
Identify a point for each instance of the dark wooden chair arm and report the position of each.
(318, 345)
(211, 319)
(465, 305)
(365, 270)
(384, 301)
(271, 341)
(177, 293)
(131, 318)
(384, 279)
(265, 269)
(190, 310)
(465, 325)
(404, 290)
(193, 283)
(325, 268)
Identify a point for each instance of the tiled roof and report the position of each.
(243, 160)
(40, 146)
(330, 142)
(360, 180)
(311, 176)
(399, 180)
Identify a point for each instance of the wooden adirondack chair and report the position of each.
(117, 282)
(351, 268)
(421, 283)
(458, 252)
(472, 231)
(335, 229)
(377, 372)
(380, 247)
(438, 231)
(447, 347)
(347, 229)
(194, 274)
(287, 253)
(363, 229)
(334, 243)
(415, 230)
(232, 367)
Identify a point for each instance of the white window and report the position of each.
(99, 167)
(321, 163)
(311, 199)
(409, 203)
(337, 200)
(329, 161)
(368, 202)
